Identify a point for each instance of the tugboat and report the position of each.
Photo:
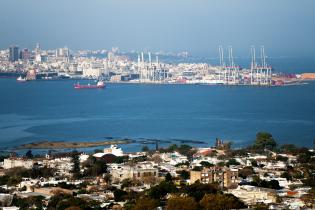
(99, 84)
(21, 79)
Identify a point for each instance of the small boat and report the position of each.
(99, 84)
(21, 79)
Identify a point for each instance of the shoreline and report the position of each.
(278, 80)
(69, 145)
(295, 82)
(57, 145)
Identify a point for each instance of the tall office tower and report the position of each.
(115, 49)
(25, 54)
(37, 49)
(150, 62)
(63, 52)
(110, 56)
(13, 53)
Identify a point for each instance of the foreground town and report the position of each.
(262, 176)
(141, 67)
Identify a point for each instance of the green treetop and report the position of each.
(265, 140)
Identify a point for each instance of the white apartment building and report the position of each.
(17, 162)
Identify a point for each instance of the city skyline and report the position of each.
(284, 28)
(157, 104)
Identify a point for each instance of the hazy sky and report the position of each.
(285, 27)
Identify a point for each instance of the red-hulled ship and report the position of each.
(99, 84)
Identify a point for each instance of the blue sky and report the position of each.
(285, 27)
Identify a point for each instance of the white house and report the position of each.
(173, 158)
(113, 149)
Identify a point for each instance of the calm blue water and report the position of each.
(53, 110)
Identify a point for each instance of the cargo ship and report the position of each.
(9, 74)
(99, 84)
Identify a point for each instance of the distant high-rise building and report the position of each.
(37, 49)
(115, 49)
(13, 53)
(110, 56)
(40, 58)
(25, 54)
(63, 52)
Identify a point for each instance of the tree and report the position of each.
(282, 158)
(37, 172)
(310, 180)
(198, 190)
(14, 180)
(90, 161)
(184, 149)
(145, 204)
(121, 159)
(265, 140)
(183, 164)
(98, 151)
(304, 157)
(187, 150)
(29, 202)
(63, 201)
(286, 175)
(309, 198)
(2, 157)
(171, 148)
(221, 202)
(273, 184)
(120, 195)
(184, 174)
(254, 163)
(145, 149)
(156, 159)
(246, 172)
(297, 174)
(181, 203)
(29, 154)
(4, 179)
(159, 191)
(220, 164)
(197, 168)
(73, 208)
(168, 177)
(256, 179)
(138, 159)
(232, 162)
(288, 148)
(206, 164)
(236, 152)
(99, 167)
(261, 206)
(126, 183)
(75, 159)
